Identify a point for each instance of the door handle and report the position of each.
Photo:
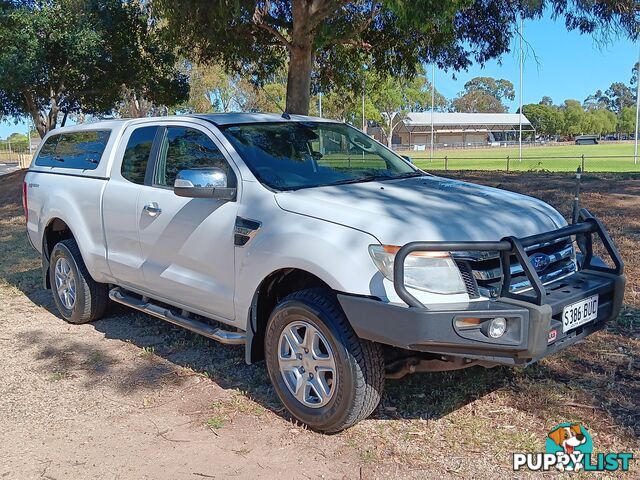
(152, 209)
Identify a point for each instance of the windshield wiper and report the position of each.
(415, 173)
(373, 178)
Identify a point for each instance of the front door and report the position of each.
(187, 243)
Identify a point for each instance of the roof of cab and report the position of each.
(215, 118)
(237, 118)
(99, 125)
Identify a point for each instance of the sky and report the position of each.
(565, 65)
(560, 64)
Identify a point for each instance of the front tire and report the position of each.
(326, 376)
(78, 297)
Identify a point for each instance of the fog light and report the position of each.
(497, 327)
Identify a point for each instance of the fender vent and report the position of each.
(244, 231)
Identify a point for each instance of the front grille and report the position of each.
(556, 260)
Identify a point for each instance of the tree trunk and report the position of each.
(299, 78)
(39, 123)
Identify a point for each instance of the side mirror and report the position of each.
(407, 158)
(203, 183)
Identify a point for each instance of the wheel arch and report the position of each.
(274, 287)
(55, 231)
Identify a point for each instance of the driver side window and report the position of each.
(184, 148)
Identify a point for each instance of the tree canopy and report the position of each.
(391, 98)
(59, 57)
(323, 44)
(484, 95)
(546, 119)
(572, 119)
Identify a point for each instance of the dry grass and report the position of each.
(463, 424)
(19, 264)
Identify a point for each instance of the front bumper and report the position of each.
(534, 323)
(435, 329)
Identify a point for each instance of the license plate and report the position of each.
(579, 313)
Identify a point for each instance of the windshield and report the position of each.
(293, 155)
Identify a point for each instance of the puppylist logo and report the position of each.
(569, 448)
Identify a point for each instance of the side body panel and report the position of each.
(334, 253)
(120, 219)
(77, 201)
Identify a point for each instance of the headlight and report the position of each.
(434, 272)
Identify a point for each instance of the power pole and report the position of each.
(364, 120)
(520, 109)
(635, 149)
(29, 134)
(320, 103)
(433, 102)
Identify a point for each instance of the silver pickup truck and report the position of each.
(314, 246)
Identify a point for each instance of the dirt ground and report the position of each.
(132, 397)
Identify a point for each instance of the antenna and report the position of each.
(285, 115)
(576, 197)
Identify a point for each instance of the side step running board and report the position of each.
(218, 334)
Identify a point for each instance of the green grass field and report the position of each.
(552, 158)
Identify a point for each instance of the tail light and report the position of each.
(24, 201)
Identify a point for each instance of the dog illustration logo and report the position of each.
(569, 448)
(570, 439)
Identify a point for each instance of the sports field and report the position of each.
(606, 157)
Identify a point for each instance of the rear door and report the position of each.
(120, 205)
(187, 243)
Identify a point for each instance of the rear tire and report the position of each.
(78, 297)
(326, 376)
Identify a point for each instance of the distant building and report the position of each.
(454, 129)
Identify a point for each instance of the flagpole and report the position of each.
(635, 148)
(29, 134)
(433, 101)
(520, 109)
(364, 120)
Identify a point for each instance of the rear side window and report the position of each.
(136, 156)
(78, 150)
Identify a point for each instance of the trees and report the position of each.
(546, 119)
(627, 120)
(497, 88)
(60, 57)
(391, 98)
(477, 102)
(389, 105)
(211, 89)
(598, 100)
(599, 122)
(546, 100)
(323, 43)
(573, 117)
(16, 142)
(620, 96)
(484, 95)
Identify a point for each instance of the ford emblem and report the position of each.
(539, 261)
